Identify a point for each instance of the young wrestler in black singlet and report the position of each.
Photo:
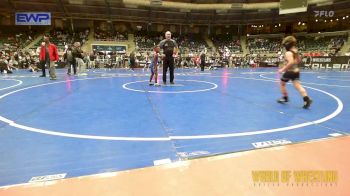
(291, 72)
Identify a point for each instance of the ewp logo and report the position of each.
(40, 18)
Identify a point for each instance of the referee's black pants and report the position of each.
(202, 66)
(168, 62)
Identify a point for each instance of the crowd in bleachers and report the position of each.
(227, 44)
(62, 38)
(19, 59)
(324, 44)
(264, 45)
(12, 55)
(190, 47)
(101, 35)
(11, 42)
(190, 43)
(15, 57)
(146, 42)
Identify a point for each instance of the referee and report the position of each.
(170, 50)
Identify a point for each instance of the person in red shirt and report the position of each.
(48, 56)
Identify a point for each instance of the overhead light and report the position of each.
(131, 6)
(264, 10)
(185, 10)
(248, 35)
(303, 23)
(236, 6)
(337, 19)
(156, 2)
(331, 20)
(275, 26)
(76, 2)
(279, 24)
(347, 16)
(325, 20)
(325, 3)
(221, 12)
(316, 20)
(299, 23)
(319, 32)
(344, 18)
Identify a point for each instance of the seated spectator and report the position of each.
(264, 45)
(227, 44)
(101, 35)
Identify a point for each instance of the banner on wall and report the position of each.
(33, 18)
(110, 48)
(328, 62)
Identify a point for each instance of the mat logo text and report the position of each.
(47, 178)
(192, 154)
(269, 143)
(295, 176)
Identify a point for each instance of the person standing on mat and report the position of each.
(132, 60)
(170, 50)
(291, 72)
(42, 62)
(154, 67)
(49, 55)
(78, 57)
(70, 61)
(202, 57)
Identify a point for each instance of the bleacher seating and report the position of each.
(146, 42)
(227, 42)
(264, 45)
(318, 44)
(61, 38)
(12, 38)
(101, 35)
(187, 43)
(191, 43)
